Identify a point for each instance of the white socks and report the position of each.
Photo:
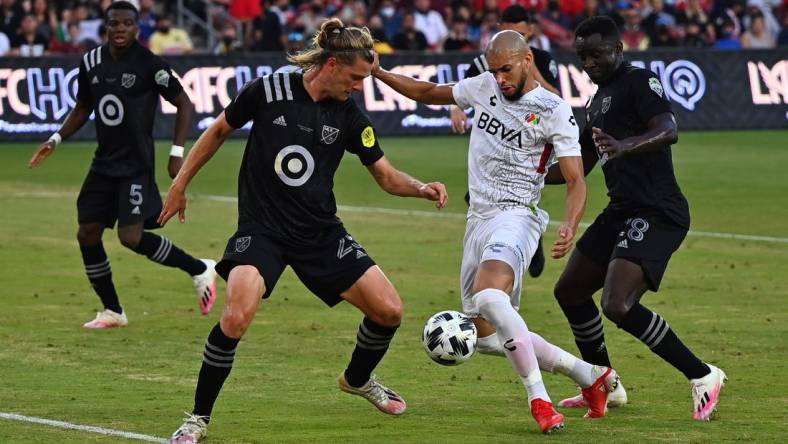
(550, 358)
(495, 307)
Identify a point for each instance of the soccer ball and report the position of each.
(449, 338)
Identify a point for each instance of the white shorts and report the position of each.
(510, 236)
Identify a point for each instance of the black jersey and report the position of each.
(543, 60)
(622, 107)
(285, 186)
(124, 95)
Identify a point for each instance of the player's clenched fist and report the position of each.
(563, 244)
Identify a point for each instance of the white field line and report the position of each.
(81, 428)
(407, 213)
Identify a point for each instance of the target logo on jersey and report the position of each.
(110, 110)
(294, 165)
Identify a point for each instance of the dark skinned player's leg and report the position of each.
(581, 278)
(97, 265)
(625, 284)
(158, 249)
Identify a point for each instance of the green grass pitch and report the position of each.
(726, 298)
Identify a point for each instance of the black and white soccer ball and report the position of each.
(449, 337)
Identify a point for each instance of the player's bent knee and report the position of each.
(614, 310)
(389, 313)
(245, 287)
(490, 303)
(87, 236)
(129, 241)
(235, 322)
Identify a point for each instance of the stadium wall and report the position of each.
(710, 89)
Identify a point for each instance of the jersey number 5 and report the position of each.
(135, 194)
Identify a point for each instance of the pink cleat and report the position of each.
(706, 393)
(205, 285)
(385, 399)
(107, 319)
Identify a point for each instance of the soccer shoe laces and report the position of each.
(376, 391)
(192, 424)
(699, 394)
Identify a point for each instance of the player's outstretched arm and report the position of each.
(76, 118)
(572, 171)
(418, 90)
(202, 151)
(398, 183)
(183, 118)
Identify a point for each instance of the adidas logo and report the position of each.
(94, 81)
(280, 121)
(360, 254)
(623, 244)
(136, 210)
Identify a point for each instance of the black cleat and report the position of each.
(536, 267)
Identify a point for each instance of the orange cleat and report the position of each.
(596, 395)
(545, 415)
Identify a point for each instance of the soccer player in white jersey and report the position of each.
(520, 129)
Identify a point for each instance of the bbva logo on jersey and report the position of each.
(492, 126)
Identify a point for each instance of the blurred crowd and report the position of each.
(38, 27)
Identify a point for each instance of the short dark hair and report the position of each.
(122, 6)
(600, 24)
(516, 14)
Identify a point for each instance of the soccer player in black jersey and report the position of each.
(121, 82)
(302, 124)
(518, 19)
(630, 129)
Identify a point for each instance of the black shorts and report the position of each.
(645, 237)
(129, 201)
(327, 271)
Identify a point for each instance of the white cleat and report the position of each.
(706, 393)
(194, 429)
(616, 398)
(107, 319)
(382, 397)
(205, 285)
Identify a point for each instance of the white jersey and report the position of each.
(512, 143)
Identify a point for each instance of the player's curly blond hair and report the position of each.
(335, 40)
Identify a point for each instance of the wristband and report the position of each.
(56, 138)
(176, 151)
